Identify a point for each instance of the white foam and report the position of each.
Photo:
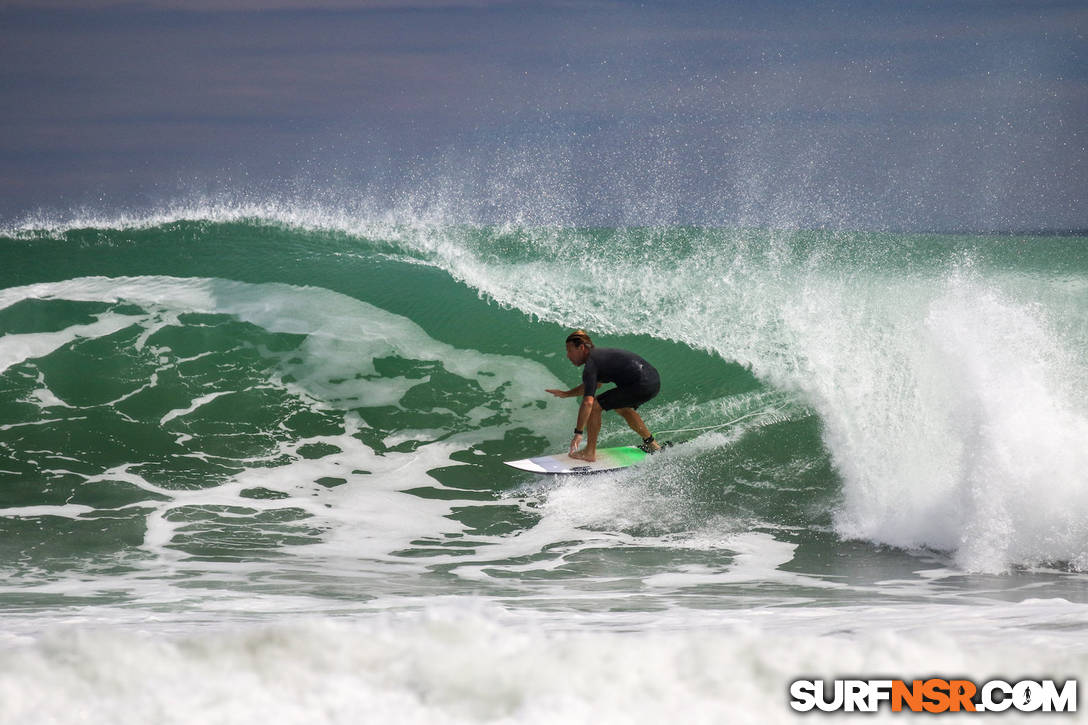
(16, 348)
(464, 665)
(954, 431)
(67, 511)
(195, 405)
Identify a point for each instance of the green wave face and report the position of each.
(240, 397)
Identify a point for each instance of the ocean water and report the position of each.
(251, 468)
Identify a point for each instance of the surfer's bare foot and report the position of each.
(585, 455)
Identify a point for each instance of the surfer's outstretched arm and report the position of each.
(572, 393)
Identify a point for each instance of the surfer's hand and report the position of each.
(557, 393)
(575, 443)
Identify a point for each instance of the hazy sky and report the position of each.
(870, 114)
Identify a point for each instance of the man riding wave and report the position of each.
(636, 382)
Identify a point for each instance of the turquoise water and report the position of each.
(260, 449)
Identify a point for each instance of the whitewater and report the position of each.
(251, 467)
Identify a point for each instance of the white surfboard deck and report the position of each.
(608, 459)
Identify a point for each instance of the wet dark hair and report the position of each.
(579, 338)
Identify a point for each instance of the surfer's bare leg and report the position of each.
(593, 429)
(637, 425)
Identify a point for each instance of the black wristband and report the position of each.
(578, 432)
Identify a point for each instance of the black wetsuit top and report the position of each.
(636, 380)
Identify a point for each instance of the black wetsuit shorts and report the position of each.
(636, 380)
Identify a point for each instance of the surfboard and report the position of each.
(608, 459)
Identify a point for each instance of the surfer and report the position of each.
(636, 382)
